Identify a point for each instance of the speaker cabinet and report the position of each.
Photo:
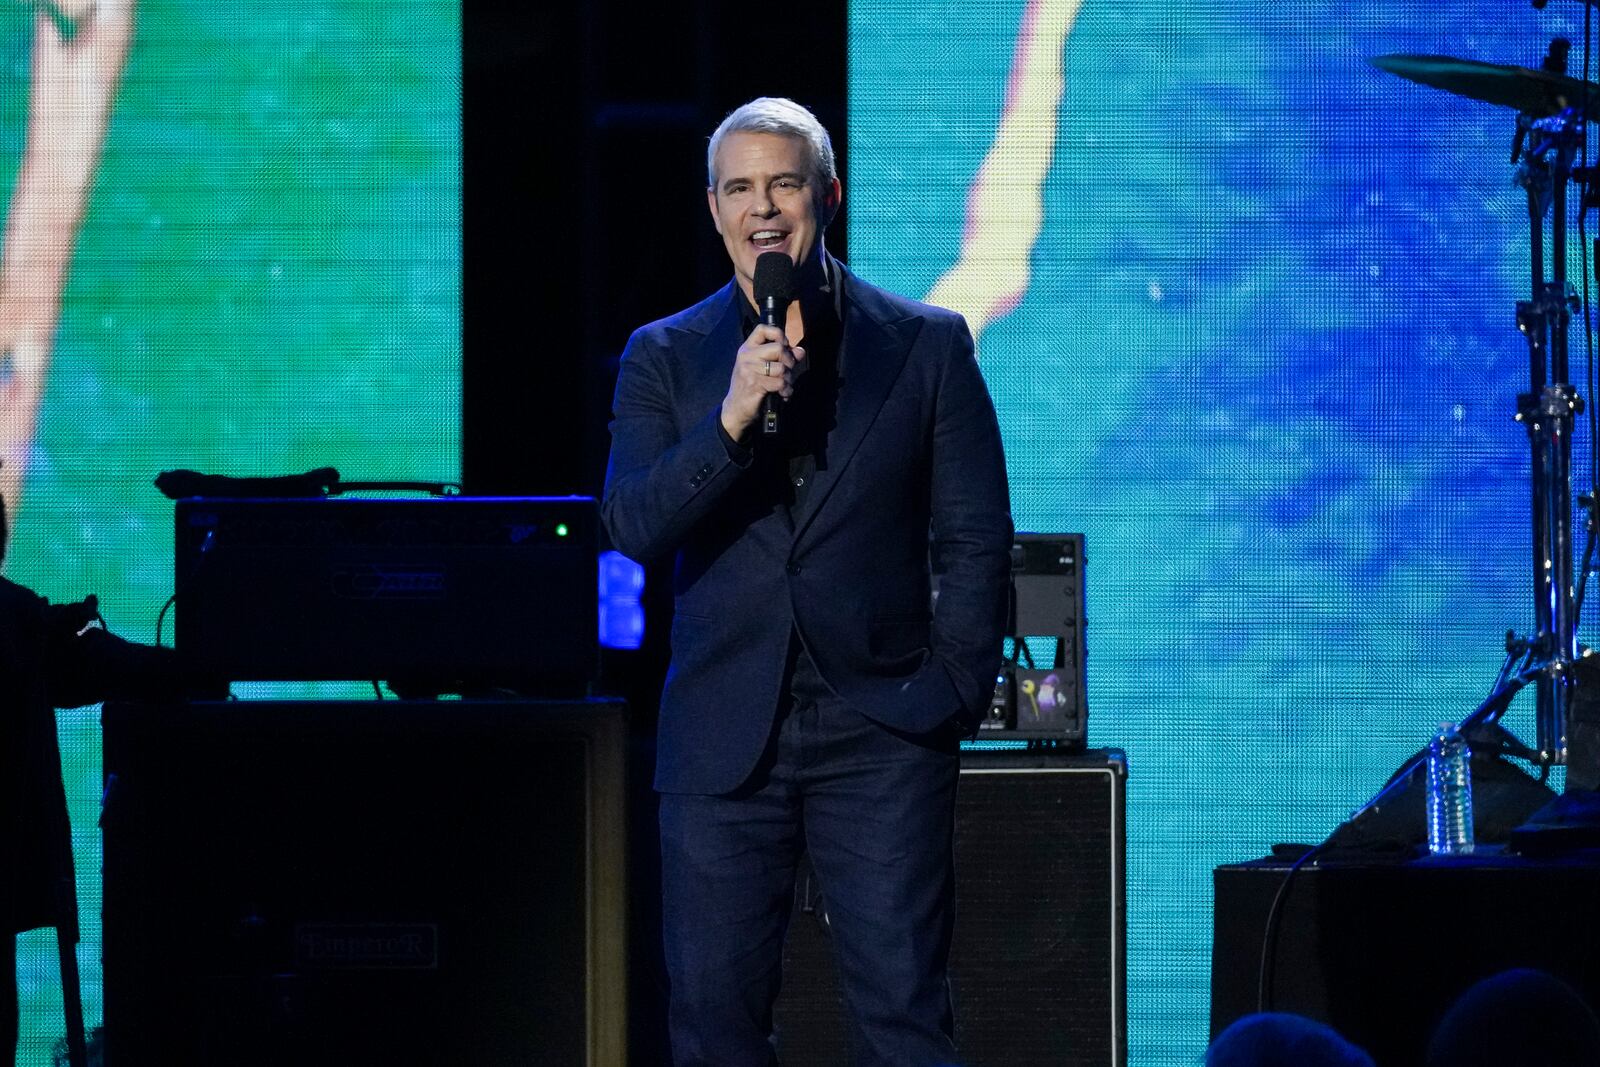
(1380, 950)
(1037, 966)
(365, 883)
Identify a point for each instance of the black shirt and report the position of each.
(792, 457)
(800, 448)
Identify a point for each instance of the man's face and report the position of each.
(768, 198)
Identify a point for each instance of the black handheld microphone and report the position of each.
(774, 288)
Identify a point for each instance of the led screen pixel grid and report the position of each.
(266, 280)
(1245, 305)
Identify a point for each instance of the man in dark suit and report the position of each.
(814, 701)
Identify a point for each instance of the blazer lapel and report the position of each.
(872, 349)
(708, 373)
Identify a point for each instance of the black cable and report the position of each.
(162, 616)
(1588, 554)
(194, 569)
(431, 488)
(1019, 648)
(1270, 936)
(377, 690)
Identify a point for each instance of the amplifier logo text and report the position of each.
(372, 582)
(382, 946)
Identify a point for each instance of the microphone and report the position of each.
(774, 288)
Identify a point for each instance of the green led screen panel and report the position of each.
(232, 244)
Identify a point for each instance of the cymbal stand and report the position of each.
(1548, 411)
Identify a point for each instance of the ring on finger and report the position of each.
(766, 368)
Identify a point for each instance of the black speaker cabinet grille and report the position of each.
(364, 883)
(1037, 965)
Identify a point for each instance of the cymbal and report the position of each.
(1533, 92)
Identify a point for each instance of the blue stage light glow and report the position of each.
(621, 612)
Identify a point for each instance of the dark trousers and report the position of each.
(876, 811)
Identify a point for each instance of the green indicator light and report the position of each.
(561, 529)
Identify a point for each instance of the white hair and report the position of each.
(782, 116)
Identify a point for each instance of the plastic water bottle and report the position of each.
(1449, 793)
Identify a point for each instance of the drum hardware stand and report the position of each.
(1549, 409)
(1553, 112)
(1548, 412)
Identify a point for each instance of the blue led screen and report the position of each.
(1246, 308)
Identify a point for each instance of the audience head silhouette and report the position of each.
(1275, 1039)
(1518, 1018)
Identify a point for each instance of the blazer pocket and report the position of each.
(689, 618)
(688, 637)
(893, 617)
(899, 640)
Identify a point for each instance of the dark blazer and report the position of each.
(915, 447)
(35, 839)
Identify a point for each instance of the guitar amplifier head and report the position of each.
(1040, 692)
(444, 593)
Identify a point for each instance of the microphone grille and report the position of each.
(774, 278)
